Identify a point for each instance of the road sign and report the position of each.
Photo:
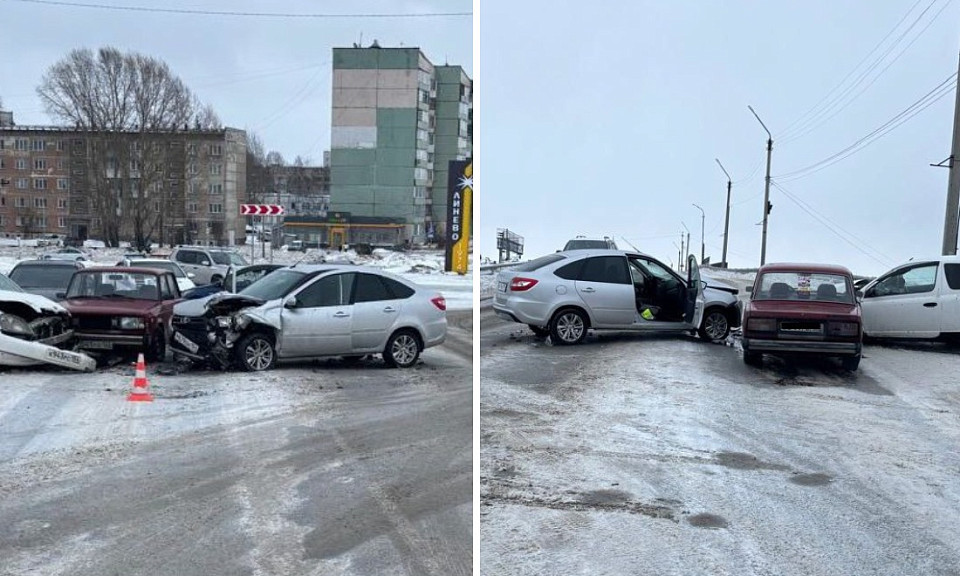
(260, 209)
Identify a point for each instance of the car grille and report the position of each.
(197, 323)
(87, 323)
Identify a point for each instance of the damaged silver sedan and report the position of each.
(306, 312)
(35, 330)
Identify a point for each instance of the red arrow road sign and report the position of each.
(260, 209)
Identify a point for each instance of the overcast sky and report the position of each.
(268, 75)
(604, 118)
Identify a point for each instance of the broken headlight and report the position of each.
(224, 322)
(15, 326)
(128, 323)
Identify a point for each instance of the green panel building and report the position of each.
(397, 121)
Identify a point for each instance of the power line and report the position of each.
(239, 14)
(924, 102)
(806, 120)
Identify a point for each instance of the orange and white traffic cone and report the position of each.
(140, 392)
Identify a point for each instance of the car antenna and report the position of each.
(299, 260)
(629, 244)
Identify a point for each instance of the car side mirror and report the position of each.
(191, 275)
(858, 294)
(290, 303)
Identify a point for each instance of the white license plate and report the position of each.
(186, 342)
(96, 345)
(502, 286)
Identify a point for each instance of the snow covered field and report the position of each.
(424, 268)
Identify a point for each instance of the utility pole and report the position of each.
(703, 245)
(953, 188)
(726, 219)
(766, 190)
(680, 256)
(686, 254)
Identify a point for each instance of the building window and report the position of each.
(39, 163)
(61, 145)
(216, 208)
(215, 169)
(193, 168)
(192, 148)
(39, 145)
(2, 164)
(192, 207)
(216, 150)
(22, 183)
(22, 144)
(215, 189)
(19, 220)
(194, 187)
(62, 183)
(62, 203)
(42, 222)
(21, 202)
(39, 183)
(40, 202)
(61, 165)
(61, 222)
(21, 163)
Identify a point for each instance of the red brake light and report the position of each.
(520, 284)
(440, 302)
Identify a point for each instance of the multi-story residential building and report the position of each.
(395, 116)
(180, 186)
(301, 190)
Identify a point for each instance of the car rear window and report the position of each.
(539, 263)
(952, 272)
(804, 286)
(586, 244)
(41, 276)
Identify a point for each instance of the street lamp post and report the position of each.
(766, 189)
(726, 219)
(686, 254)
(703, 246)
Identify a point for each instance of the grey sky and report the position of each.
(605, 118)
(269, 75)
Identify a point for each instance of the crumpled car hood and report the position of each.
(40, 304)
(220, 304)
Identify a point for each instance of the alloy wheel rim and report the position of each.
(716, 326)
(259, 354)
(404, 349)
(570, 327)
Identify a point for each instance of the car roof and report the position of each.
(804, 267)
(605, 252)
(126, 270)
(72, 263)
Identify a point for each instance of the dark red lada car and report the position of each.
(803, 308)
(126, 310)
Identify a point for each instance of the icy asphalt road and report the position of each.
(307, 469)
(663, 455)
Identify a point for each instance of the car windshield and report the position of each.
(41, 276)
(114, 284)
(804, 286)
(275, 285)
(227, 258)
(586, 244)
(171, 266)
(8, 284)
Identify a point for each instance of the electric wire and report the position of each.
(238, 14)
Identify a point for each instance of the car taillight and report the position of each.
(519, 284)
(440, 302)
(762, 325)
(843, 328)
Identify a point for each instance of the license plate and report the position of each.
(502, 286)
(186, 342)
(96, 345)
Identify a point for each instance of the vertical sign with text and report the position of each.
(459, 215)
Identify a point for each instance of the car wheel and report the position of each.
(157, 350)
(715, 326)
(752, 358)
(255, 352)
(568, 327)
(538, 331)
(402, 349)
(850, 363)
(216, 278)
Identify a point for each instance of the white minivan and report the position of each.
(918, 299)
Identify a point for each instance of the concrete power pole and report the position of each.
(953, 187)
(726, 219)
(766, 190)
(680, 256)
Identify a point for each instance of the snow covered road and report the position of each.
(657, 455)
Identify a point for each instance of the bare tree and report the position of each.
(258, 176)
(126, 101)
(275, 158)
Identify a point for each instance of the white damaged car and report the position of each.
(36, 330)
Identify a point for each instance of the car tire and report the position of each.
(538, 331)
(255, 352)
(568, 327)
(850, 363)
(715, 325)
(402, 349)
(752, 358)
(216, 278)
(157, 349)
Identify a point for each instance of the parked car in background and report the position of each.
(804, 309)
(304, 312)
(35, 330)
(125, 310)
(918, 299)
(184, 279)
(66, 253)
(48, 278)
(208, 264)
(584, 243)
(235, 280)
(568, 293)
